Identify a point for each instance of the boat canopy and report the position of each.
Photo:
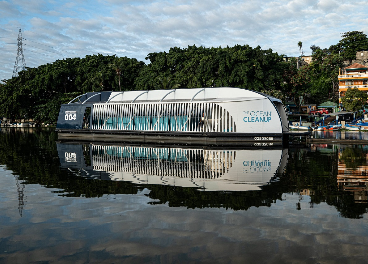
(213, 94)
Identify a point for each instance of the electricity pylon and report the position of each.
(20, 63)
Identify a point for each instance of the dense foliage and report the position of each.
(350, 43)
(354, 99)
(238, 66)
(38, 92)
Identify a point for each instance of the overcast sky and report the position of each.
(60, 29)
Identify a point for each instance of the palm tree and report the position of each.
(300, 45)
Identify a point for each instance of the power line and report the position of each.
(36, 52)
(53, 48)
(40, 43)
(55, 51)
(20, 63)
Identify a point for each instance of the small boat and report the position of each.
(351, 127)
(363, 126)
(360, 123)
(332, 128)
(336, 127)
(319, 128)
(298, 127)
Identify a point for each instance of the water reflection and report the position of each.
(306, 200)
(353, 172)
(189, 177)
(361, 135)
(203, 169)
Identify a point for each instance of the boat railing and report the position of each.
(79, 96)
(114, 96)
(90, 97)
(84, 100)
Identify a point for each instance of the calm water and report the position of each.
(96, 203)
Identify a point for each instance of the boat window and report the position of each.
(86, 118)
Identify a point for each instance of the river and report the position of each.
(69, 202)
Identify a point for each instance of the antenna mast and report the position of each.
(20, 63)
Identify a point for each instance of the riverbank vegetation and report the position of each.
(38, 92)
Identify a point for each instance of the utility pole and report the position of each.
(20, 63)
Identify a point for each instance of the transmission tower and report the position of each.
(20, 63)
(20, 189)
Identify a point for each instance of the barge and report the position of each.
(198, 116)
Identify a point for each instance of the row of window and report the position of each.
(351, 82)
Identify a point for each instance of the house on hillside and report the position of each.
(303, 60)
(307, 59)
(353, 76)
(361, 57)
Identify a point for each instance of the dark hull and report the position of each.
(184, 138)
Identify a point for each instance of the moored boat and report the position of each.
(302, 128)
(351, 127)
(319, 128)
(199, 115)
(332, 127)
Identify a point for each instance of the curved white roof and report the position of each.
(193, 94)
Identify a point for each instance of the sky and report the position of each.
(58, 29)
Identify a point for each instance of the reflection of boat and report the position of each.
(198, 116)
(203, 169)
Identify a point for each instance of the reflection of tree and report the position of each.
(353, 157)
(193, 198)
(317, 172)
(35, 159)
(347, 207)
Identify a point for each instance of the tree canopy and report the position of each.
(350, 43)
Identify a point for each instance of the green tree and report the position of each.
(354, 99)
(297, 82)
(238, 66)
(350, 43)
(324, 70)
